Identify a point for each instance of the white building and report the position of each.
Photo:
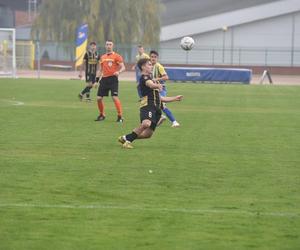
(232, 32)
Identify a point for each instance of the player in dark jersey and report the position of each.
(150, 106)
(90, 61)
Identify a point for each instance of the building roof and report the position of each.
(229, 18)
(177, 11)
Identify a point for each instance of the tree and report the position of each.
(125, 22)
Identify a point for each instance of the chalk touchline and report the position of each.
(153, 209)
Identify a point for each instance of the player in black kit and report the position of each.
(150, 107)
(90, 60)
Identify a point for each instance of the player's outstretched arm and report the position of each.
(164, 77)
(151, 84)
(177, 98)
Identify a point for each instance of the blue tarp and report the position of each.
(209, 74)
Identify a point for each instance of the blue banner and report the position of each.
(209, 74)
(81, 43)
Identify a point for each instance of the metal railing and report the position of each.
(198, 56)
(237, 56)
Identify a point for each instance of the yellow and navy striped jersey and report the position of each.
(91, 61)
(158, 71)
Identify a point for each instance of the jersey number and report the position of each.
(150, 114)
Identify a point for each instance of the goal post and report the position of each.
(8, 52)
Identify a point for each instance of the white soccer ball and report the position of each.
(187, 43)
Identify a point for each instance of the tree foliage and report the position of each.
(125, 21)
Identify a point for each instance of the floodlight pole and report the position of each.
(187, 57)
(14, 55)
(38, 52)
(224, 29)
(293, 39)
(38, 61)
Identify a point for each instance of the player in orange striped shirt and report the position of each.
(111, 65)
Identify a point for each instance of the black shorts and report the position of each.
(110, 83)
(90, 78)
(150, 113)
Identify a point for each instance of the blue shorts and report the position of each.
(163, 92)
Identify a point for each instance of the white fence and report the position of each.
(240, 56)
(198, 56)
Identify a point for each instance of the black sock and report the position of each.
(85, 90)
(88, 92)
(131, 137)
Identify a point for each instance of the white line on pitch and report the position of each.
(11, 102)
(17, 103)
(153, 209)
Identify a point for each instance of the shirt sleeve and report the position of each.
(119, 59)
(147, 79)
(161, 70)
(100, 59)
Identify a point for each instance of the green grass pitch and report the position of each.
(228, 178)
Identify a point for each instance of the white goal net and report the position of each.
(7, 52)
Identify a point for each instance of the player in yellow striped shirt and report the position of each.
(160, 75)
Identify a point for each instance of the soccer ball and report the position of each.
(187, 43)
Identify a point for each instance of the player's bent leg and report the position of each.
(118, 106)
(169, 114)
(147, 133)
(146, 124)
(89, 87)
(161, 120)
(171, 117)
(143, 126)
(83, 92)
(126, 140)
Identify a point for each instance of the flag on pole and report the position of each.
(81, 43)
